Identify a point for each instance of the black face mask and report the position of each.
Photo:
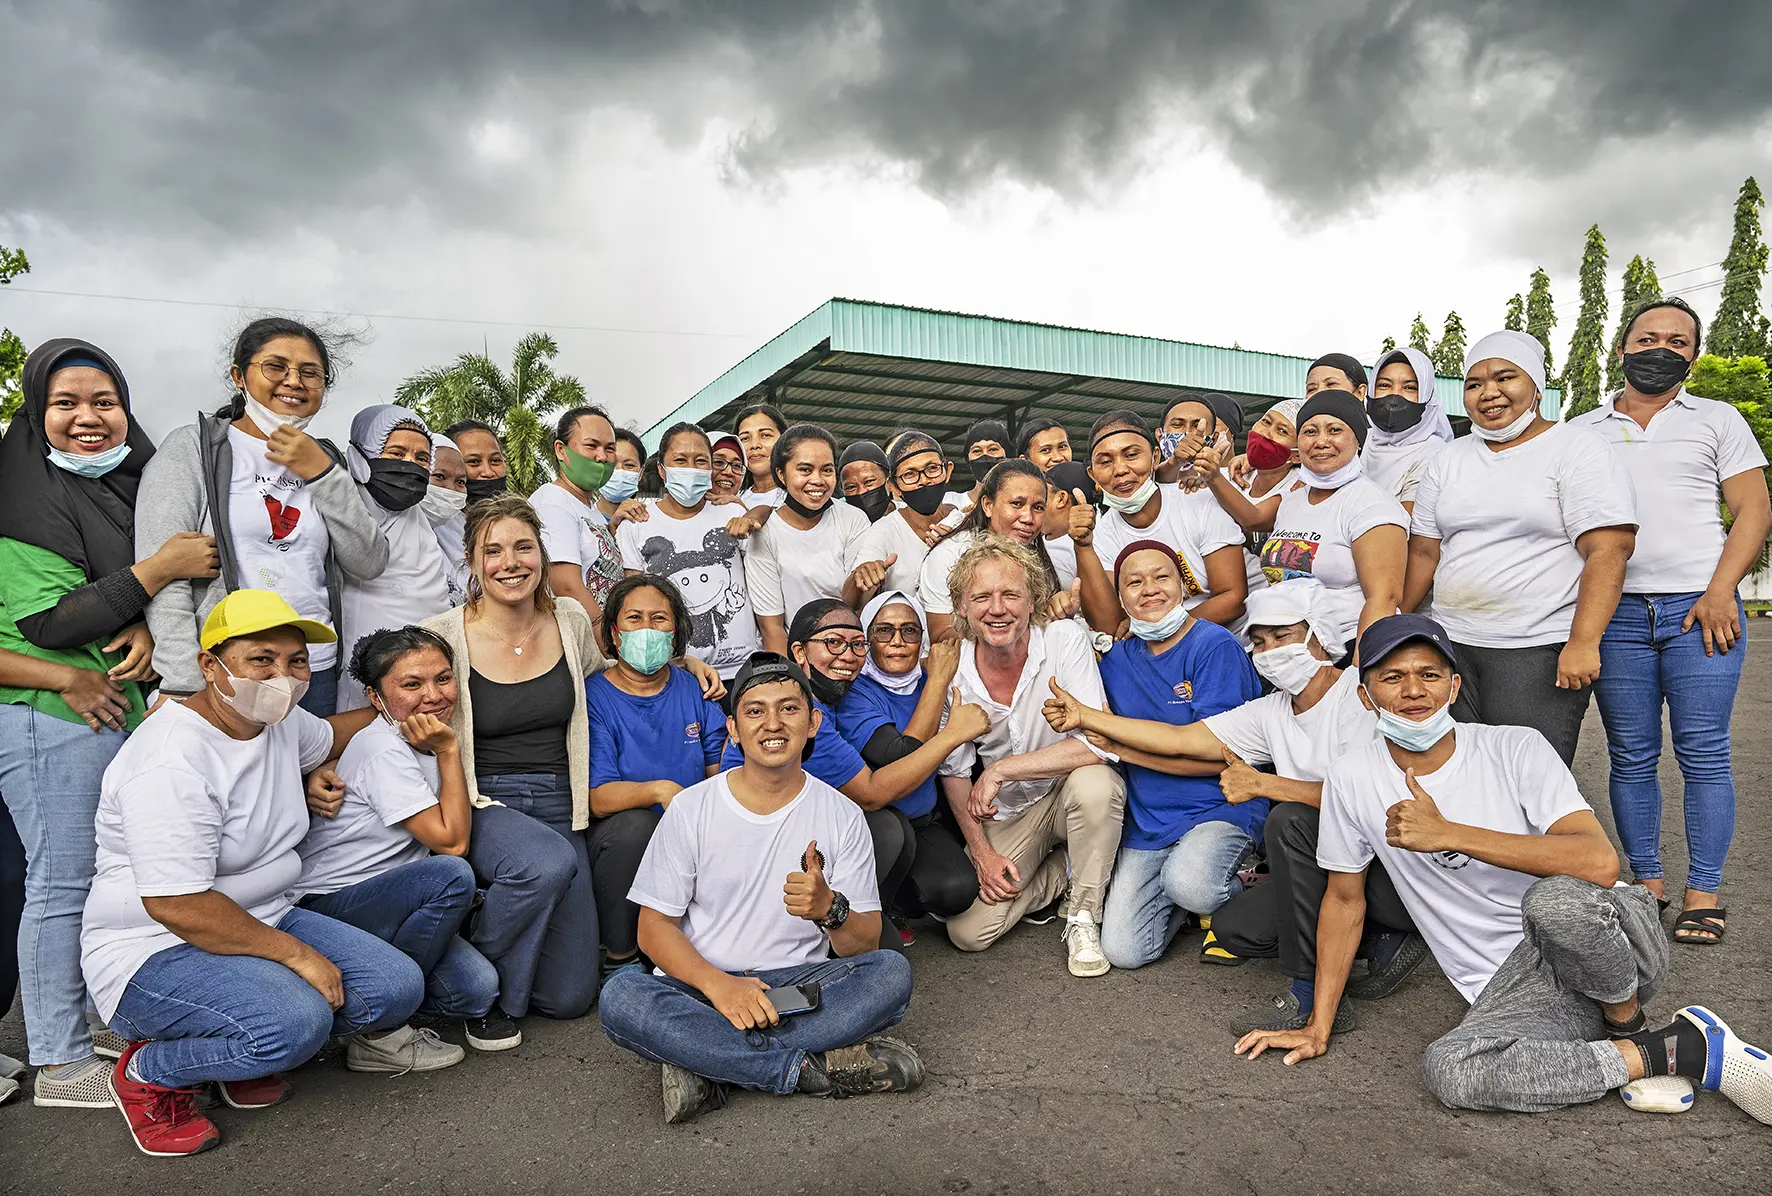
(872, 503)
(925, 500)
(1655, 371)
(826, 689)
(801, 509)
(480, 489)
(970, 472)
(397, 485)
(1394, 412)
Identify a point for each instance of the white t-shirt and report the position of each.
(1318, 541)
(185, 808)
(785, 568)
(892, 535)
(1677, 466)
(413, 587)
(386, 781)
(753, 499)
(1063, 551)
(1507, 524)
(280, 541)
(1399, 468)
(576, 533)
(1299, 746)
(707, 567)
(1506, 779)
(1061, 650)
(1192, 524)
(720, 869)
(451, 538)
(932, 580)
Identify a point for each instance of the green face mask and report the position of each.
(586, 474)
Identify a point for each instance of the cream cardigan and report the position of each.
(583, 658)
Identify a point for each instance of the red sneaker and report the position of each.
(261, 1093)
(907, 935)
(163, 1121)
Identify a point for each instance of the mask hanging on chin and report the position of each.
(827, 689)
(1157, 630)
(801, 509)
(89, 465)
(1416, 736)
(1133, 503)
(1508, 432)
(266, 703)
(268, 421)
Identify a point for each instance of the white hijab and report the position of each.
(1433, 425)
(903, 683)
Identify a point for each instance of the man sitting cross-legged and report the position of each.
(1512, 881)
(753, 879)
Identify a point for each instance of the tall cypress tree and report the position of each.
(1448, 355)
(1419, 336)
(1581, 373)
(1516, 314)
(1640, 286)
(1541, 314)
(1738, 327)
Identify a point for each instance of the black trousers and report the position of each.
(942, 880)
(895, 854)
(1279, 918)
(616, 845)
(12, 907)
(1518, 687)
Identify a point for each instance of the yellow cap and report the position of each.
(246, 611)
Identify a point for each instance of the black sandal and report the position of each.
(1696, 922)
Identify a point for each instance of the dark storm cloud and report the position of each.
(246, 116)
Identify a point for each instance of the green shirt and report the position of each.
(33, 580)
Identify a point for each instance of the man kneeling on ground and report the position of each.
(1511, 880)
(734, 951)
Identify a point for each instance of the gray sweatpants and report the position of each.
(1535, 1039)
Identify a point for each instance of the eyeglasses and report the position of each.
(910, 633)
(908, 478)
(836, 645)
(275, 371)
(728, 466)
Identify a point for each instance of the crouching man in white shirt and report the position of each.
(1510, 878)
(1043, 797)
(750, 994)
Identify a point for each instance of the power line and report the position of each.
(1619, 290)
(318, 311)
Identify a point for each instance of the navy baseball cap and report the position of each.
(1393, 631)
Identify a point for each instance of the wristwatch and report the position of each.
(837, 914)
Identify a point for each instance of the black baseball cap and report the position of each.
(1393, 631)
(764, 668)
(1073, 475)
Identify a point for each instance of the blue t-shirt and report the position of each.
(671, 736)
(832, 760)
(871, 706)
(1206, 673)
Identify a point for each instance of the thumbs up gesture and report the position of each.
(1062, 711)
(869, 574)
(806, 895)
(1082, 518)
(1066, 603)
(1416, 824)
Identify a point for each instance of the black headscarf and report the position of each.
(808, 622)
(1340, 404)
(1347, 364)
(89, 522)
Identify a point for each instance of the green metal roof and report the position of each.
(862, 369)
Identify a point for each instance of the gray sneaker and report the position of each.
(404, 1050)
(10, 1068)
(82, 1085)
(108, 1042)
(687, 1095)
(1282, 1013)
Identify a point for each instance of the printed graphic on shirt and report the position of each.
(711, 580)
(281, 518)
(1452, 861)
(692, 732)
(1287, 555)
(1184, 690)
(602, 573)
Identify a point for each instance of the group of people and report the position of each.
(303, 743)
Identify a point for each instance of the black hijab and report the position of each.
(87, 521)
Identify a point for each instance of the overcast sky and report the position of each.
(669, 183)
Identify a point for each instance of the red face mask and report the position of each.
(1267, 454)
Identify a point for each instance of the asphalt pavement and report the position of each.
(1038, 1083)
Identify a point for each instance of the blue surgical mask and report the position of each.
(622, 485)
(1413, 736)
(646, 650)
(688, 486)
(1163, 628)
(90, 465)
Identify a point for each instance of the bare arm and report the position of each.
(1229, 583)
(1575, 845)
(1604, 553)
(775, 632)
(1715, 612)
(875, 789)
(612, 797)
(1101, 605)
(1378, 562)
(1252, 517)
(1064, 713)
(1418, 578)
(1340, 919)
(568, 581)
(212, 922)
(445, 827)
(739, 999)
(1175, 766)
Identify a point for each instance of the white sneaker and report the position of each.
(1741, 1072)
(1083, 941)
(82, 1085)
(401, 1051)
(1658, 1094)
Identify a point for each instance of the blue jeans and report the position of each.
(321, 699)
(667, 1021)
(50, 771)
(418, 907)
(538, 925)
(1646, 660)
(1153, 891)
(239, 1017)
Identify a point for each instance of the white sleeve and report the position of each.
(1214, 528)
(666, 878)
(1593, 488)
(762, 575)
(932, 583)
(1340, 845)
(1074, 668)
(871, 545)
(313, 738)
(1411, 480)
(394, 786)
(1424, 521)
(559, 531)
(627, 542)
(172, 825)
(1369, 507)
(1545, 786)
(1243, 729)
(852, 863)
(1737, 450)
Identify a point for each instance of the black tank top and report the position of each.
(521, 728)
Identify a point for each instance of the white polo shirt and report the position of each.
(1060, 650)
(1677, 467)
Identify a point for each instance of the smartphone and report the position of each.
(798, 998)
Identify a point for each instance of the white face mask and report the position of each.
(1341, 477)
(1133, 503)
(1289, 667)
(268, 421)
(1416, 736)
(1507, 432)
(1161, 629)
(266, 703)
(441, 505)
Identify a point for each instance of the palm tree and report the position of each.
(514, 404)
